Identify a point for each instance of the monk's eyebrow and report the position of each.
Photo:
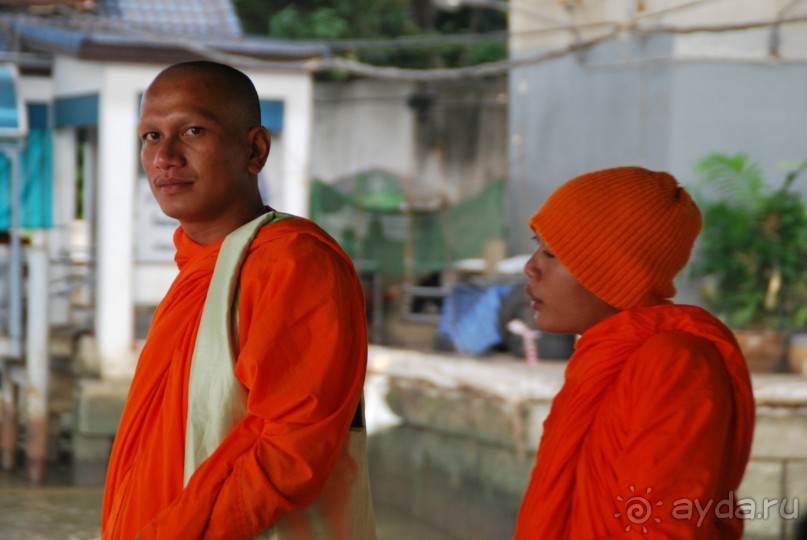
(199, 115)
(210, 116)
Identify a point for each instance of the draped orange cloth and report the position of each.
(656, 413)
(303, 355)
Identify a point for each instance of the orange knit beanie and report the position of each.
(623, 233)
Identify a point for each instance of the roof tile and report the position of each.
(210, 18)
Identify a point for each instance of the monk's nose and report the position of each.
(531, 269)
(167, 154)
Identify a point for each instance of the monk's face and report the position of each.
(199, 152)
(561, 303)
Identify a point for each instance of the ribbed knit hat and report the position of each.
(623, 233)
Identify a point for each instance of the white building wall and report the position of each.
(362, 125)
(36, 89)
(73, 77)
(447, 151)
(288, 167)
(118, 167)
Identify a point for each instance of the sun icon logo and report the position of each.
(638, 509)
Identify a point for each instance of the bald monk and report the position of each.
(656, 412)
(301, 342)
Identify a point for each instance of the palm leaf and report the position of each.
(735, 177)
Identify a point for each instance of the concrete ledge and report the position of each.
(503, 376)
(780, 390)
(459, 411)
(780, 432)
(464, 489)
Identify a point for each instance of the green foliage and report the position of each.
(480, 53)
(323, 23)
(379, 19)
(753, 246)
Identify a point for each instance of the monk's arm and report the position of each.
(681, 407)
(303, 361)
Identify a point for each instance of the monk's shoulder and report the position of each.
(295, 237)
(678, 347)
(669, 358)
(298, 247)
(678, 341)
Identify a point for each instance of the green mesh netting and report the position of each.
(368, 216)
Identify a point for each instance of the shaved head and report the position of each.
(235, 85)
(203, 147)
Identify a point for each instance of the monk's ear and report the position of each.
(259, 144)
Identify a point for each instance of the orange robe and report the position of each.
(655, 417)
(303, 355)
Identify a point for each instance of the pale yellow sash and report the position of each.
(217, 402)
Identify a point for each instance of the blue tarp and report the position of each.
(36, 182)
(470, 317)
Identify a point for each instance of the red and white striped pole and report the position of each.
(529, 336)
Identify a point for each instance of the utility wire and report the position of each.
(412, 41)
(504, 66)
(613, 29)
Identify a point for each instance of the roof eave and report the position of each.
(169, 54)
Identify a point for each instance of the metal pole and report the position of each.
(15, 255)
(37, 364)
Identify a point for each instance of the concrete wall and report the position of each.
(538, 24)
(453, 440)
(732, 107)
(361, 125)
(629, 103)
(451, 150)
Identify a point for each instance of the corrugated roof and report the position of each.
(186, 17)
(150, 31)
(49, 3)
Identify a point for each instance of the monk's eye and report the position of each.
(542, 248)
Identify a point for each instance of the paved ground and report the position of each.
(65, 511)
(58, 509)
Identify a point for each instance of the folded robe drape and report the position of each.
(302, 359)
(656, 412)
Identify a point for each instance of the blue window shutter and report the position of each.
(272, 115)
(78, 111)
(38, 115)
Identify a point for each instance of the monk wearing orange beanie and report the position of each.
(651, 432)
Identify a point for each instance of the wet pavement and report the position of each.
(60, 509)
(56, 509)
